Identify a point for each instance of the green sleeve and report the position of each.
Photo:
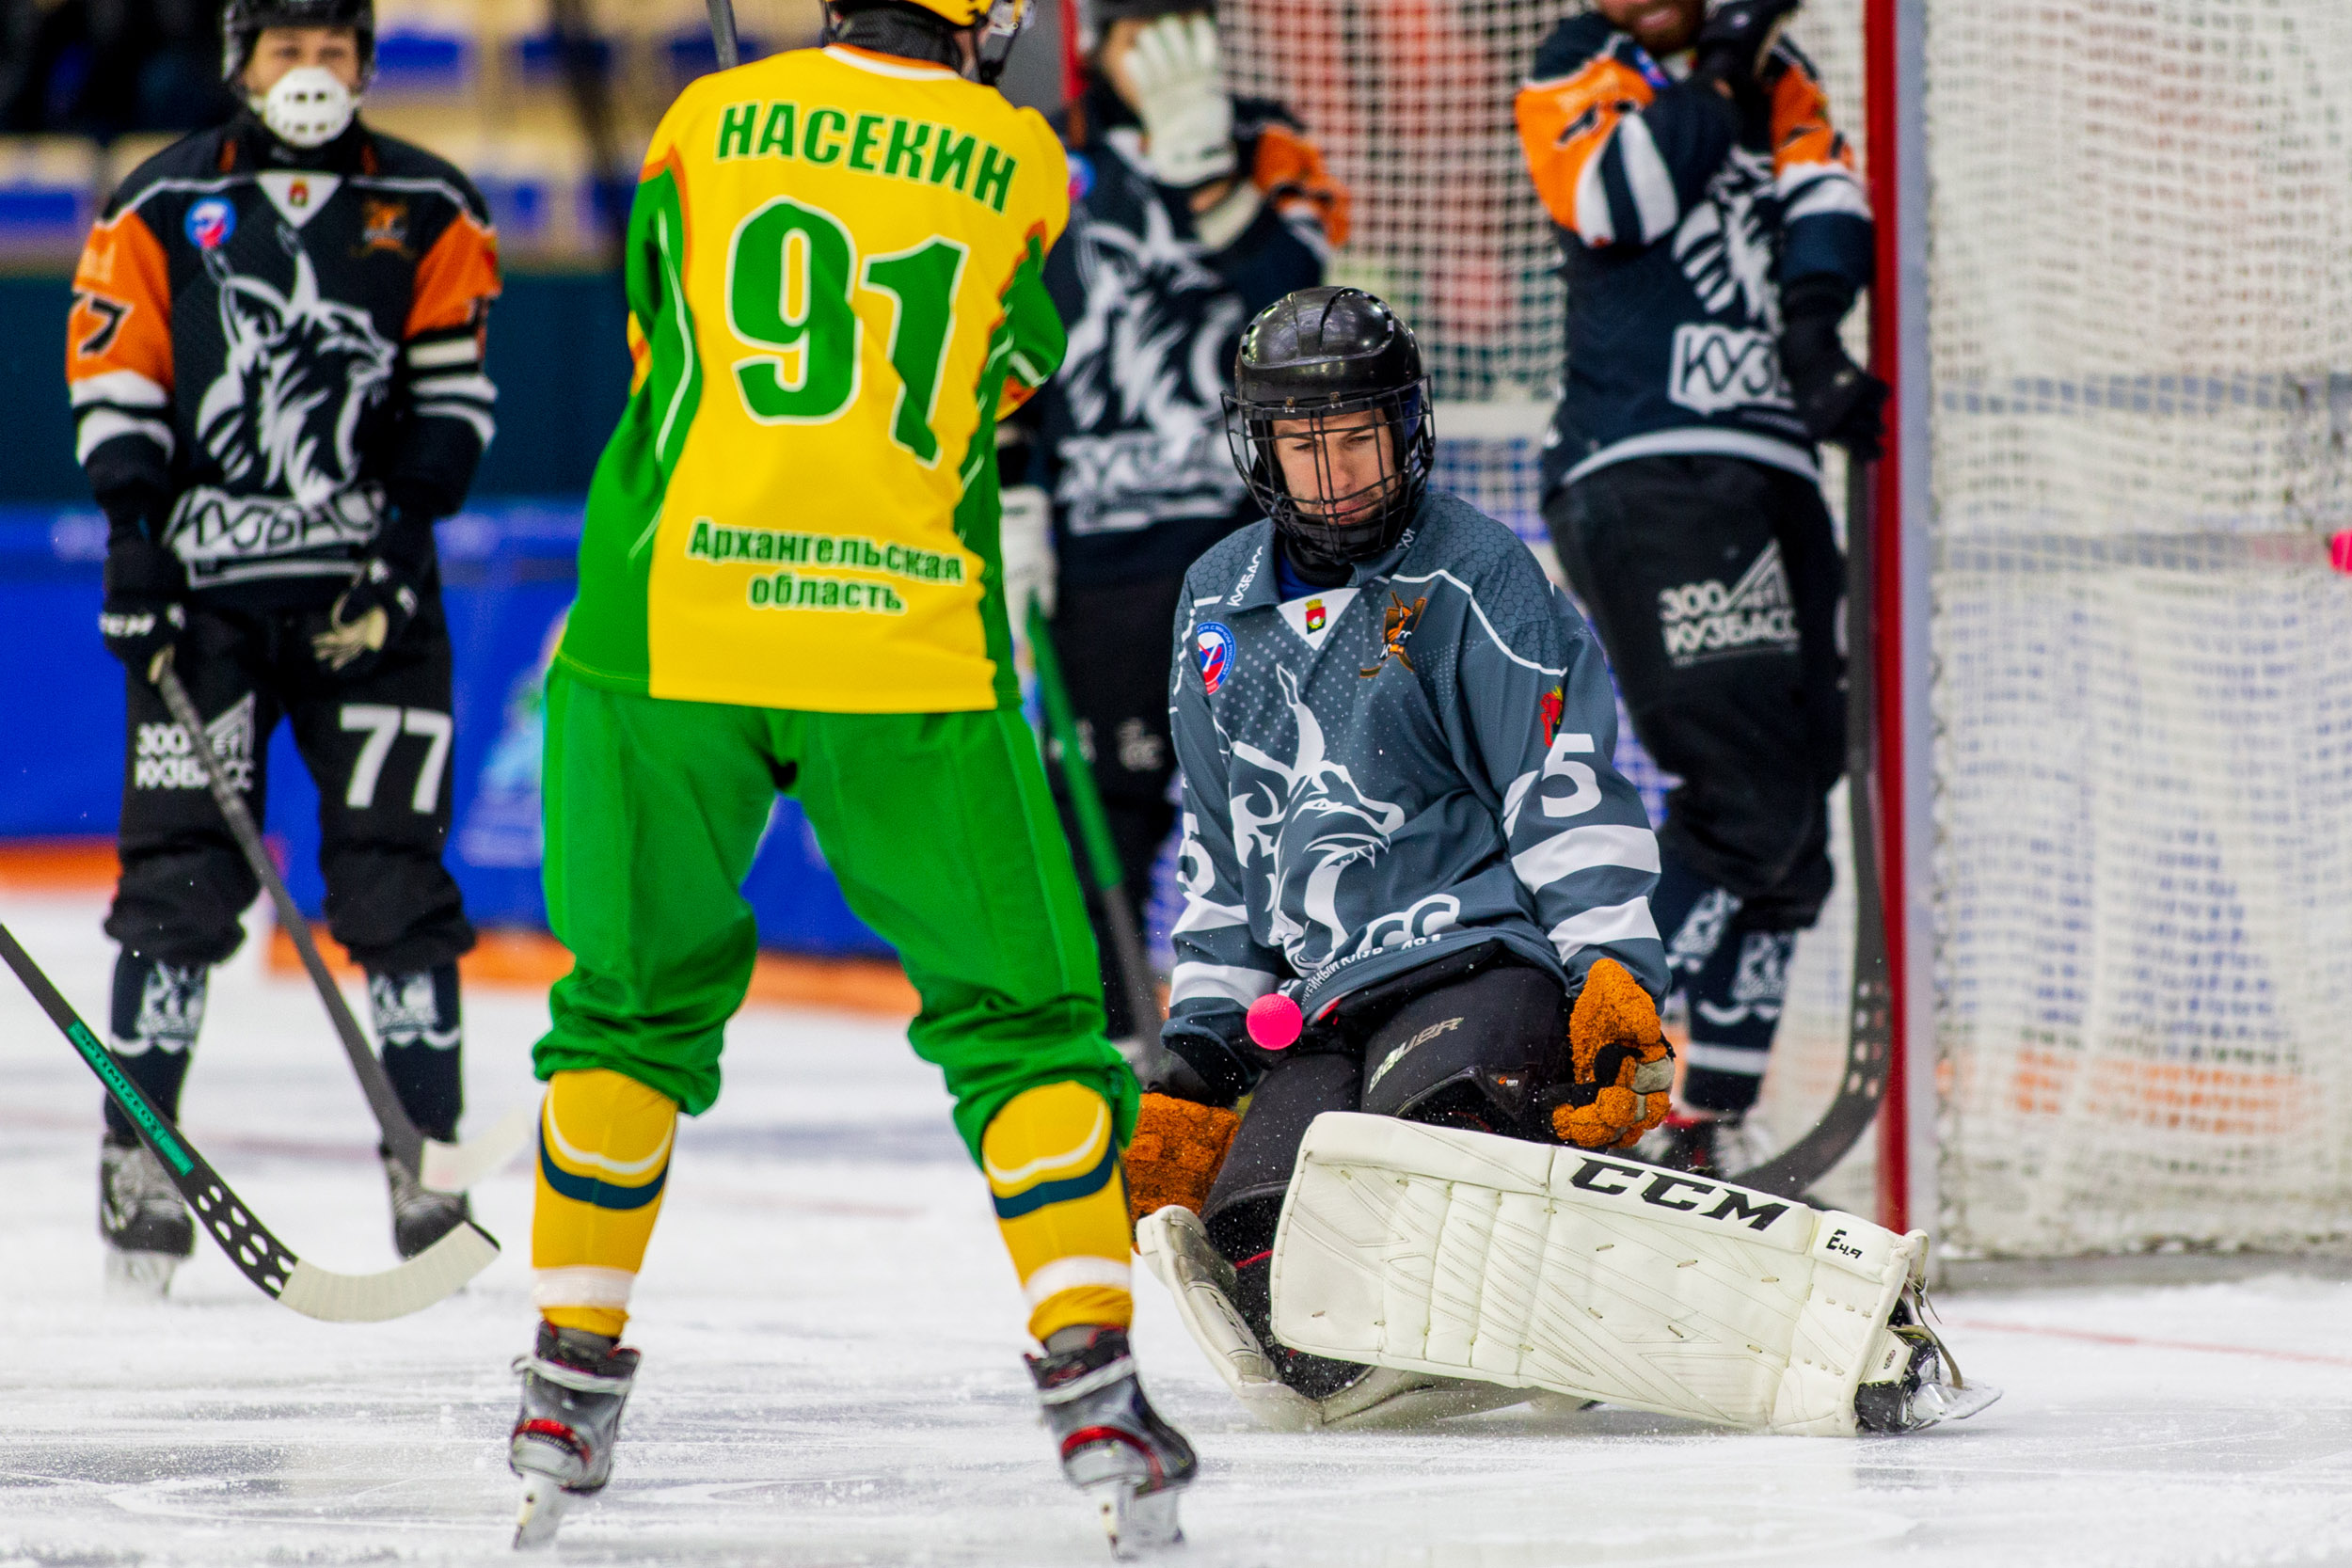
(606, 638)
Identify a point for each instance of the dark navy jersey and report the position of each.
(1678, 236)
(269, 348)
(1384, 772)
(1130, 436)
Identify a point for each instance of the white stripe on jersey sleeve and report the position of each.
(1646, 176)
(1837, 193)
(484, 426)
(100, 425)
(1626, 922)
(448, 351)
(1194, 982)
(1582, 850)
(1592, 221)
(123, 388)
(455, 386)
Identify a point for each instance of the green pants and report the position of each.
(939, 827)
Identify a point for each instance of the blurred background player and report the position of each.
(275, 354)
(1191, 212)
(1715, 236)
(789, 582)
(1399, 810)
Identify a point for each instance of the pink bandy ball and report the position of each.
(1275, 1020)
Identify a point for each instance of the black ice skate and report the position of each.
(1114, 1446)
(1914, 1381)
(146, 1224)
(421, 1216)
(573, 1386)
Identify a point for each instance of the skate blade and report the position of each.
(1932, 1403)
(139, 1275)
(543, 1504)
(1136, 1521)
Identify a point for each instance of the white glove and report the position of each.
(1025, 542)
(1177, 75)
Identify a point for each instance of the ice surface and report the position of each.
(832, 1377)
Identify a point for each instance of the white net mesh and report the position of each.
(2140, 307)
(2141, 317)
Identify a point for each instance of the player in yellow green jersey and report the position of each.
(789, 582)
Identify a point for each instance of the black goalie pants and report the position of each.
(379, 748)
(1714, 584)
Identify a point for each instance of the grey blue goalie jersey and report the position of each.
(1377, 774)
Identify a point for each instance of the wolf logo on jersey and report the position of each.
(300, 372)
(1352, 829)
(1147, 350)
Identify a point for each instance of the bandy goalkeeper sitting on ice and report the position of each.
(1403, 831)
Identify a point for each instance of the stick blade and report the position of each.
(455, 1168)
(432, 1275)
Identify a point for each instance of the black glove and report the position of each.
(383, 599)
(1736, 38)
(1837, 399)
(144, 609)
(368, 618)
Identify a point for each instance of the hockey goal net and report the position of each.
(2126, 268)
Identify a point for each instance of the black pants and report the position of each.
(1714, 584)
(379, 748)
(1472, 1039)
(1114, 646)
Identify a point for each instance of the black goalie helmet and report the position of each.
(241, 22)
(1316, 367)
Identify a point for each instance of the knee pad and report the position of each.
(1258, 1163)
(1477, 1055)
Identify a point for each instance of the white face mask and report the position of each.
(308, 107)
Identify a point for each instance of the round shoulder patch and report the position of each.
(1081, 176)
(210, 223)
(1214, 645)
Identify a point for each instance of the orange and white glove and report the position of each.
(1623, 1070)
(1176, 1150)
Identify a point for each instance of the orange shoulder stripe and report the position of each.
(1565, 123)
(1291, 172)
(121, 315)
(457, 276)
(1801, 131)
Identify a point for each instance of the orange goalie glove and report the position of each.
(1175, 1154)
(1624, 1068)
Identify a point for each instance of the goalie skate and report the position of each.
(575, 1386)
(1176, 1246)
(1115, 1448)
(1914, 1383)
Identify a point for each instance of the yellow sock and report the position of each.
(604, 1156)
(1053, 1167)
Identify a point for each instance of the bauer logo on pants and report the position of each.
(1701, 621)
(163, 758)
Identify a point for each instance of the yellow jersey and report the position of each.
(834, 274)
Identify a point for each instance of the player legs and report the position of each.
(943, 835)
(1713, 583)
(942, 830)
(175, 913)
(378, 746)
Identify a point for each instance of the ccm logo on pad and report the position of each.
(1667, 1190)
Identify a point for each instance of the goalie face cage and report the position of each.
(2114, 768)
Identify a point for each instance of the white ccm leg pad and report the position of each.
(1175, 1245)
(1531, 1266)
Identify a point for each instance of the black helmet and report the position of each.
(1316, 357)
(242, 21)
